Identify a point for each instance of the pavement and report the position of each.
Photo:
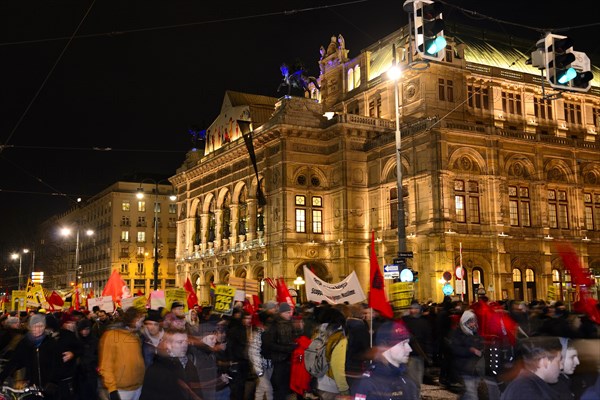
(429, 392)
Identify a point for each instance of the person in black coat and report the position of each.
(38, 354)
(358, 344)
(387, 378)
(87, 375)
(278, 345)
(541, 368)
(237, 335)
(172, 375)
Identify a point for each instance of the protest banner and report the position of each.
(19, 300)
(104, 302)
(348, 290)
(172, 295)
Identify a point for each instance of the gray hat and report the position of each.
(12, 320)
(36, 319)
(270, 305)
(284, 307)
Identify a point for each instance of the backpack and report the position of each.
(315, 356)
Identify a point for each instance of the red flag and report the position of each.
(192, 299)
(91, 294)
(55, 300)
(283, 294)
(114, 286)
(77, 302)
(581, 279)
(377, 298)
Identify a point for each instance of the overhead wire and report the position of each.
(185, 25)
(43, 84)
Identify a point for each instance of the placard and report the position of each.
(104, 302)
(18, 301)
(224, 298)
(172, 295)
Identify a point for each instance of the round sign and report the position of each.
(447, 289)
(447, 276)
(406, 275)
(460, 272)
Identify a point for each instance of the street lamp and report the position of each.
(67, 232)
(19, 255)
(172, 197)
(394, 74)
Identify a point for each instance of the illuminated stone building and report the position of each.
(493, 174)
(122, 239)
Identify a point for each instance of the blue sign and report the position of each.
(447, 289)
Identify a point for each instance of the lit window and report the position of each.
(141, 206)
(517, 275)
(141, 237)
(300, 220)
(125, 206)
(529, 275)
(317, 221)
(172, 208)
(125, 236)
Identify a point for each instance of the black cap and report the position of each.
(176, 304)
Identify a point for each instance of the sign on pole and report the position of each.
(224, 298)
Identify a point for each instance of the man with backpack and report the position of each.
(325, 357)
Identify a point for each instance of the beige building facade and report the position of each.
(496, 169)
(121, 237)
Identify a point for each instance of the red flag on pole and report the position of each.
(192, 299)
(377, 298)
(55, 300)
(77, 302)
(114, 286)
(283, 294)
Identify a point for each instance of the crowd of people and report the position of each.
(485, 350)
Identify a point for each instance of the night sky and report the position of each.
(139, 73)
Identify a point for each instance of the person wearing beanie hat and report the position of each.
(387, 377)
(38, 354)
(284, 307)
(279, 341)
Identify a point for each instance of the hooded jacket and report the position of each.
(462, 340)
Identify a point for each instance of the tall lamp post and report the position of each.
(19, 256)
(67, 232)
(140, 195)
(394, 74)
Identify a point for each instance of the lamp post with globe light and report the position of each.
(140, 195)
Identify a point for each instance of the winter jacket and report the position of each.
(529, 386)
(278, 340)
(121, 363)
(462, 340)
(384, 381)
(358, 345)
(39, 360)
(167, 378)
(300, 378)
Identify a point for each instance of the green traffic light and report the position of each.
(435, 46)
(566, 76)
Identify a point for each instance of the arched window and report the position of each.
(517, 275)
(211, 221)
(530, 283)
(357, 76)
(226, 229)
(242, 212)
(518, 284)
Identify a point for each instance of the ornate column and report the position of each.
(251, 218)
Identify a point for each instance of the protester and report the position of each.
(262, 366)
(205, 359)
(334, 382)
(387, 378)
(121, 364)
(38, 353)
(541, 368)
(420, 342)
(279, 342)
(152, 335)
(172, 375)
(87, 374)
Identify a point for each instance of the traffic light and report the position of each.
(565, 68)
(429, 30)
